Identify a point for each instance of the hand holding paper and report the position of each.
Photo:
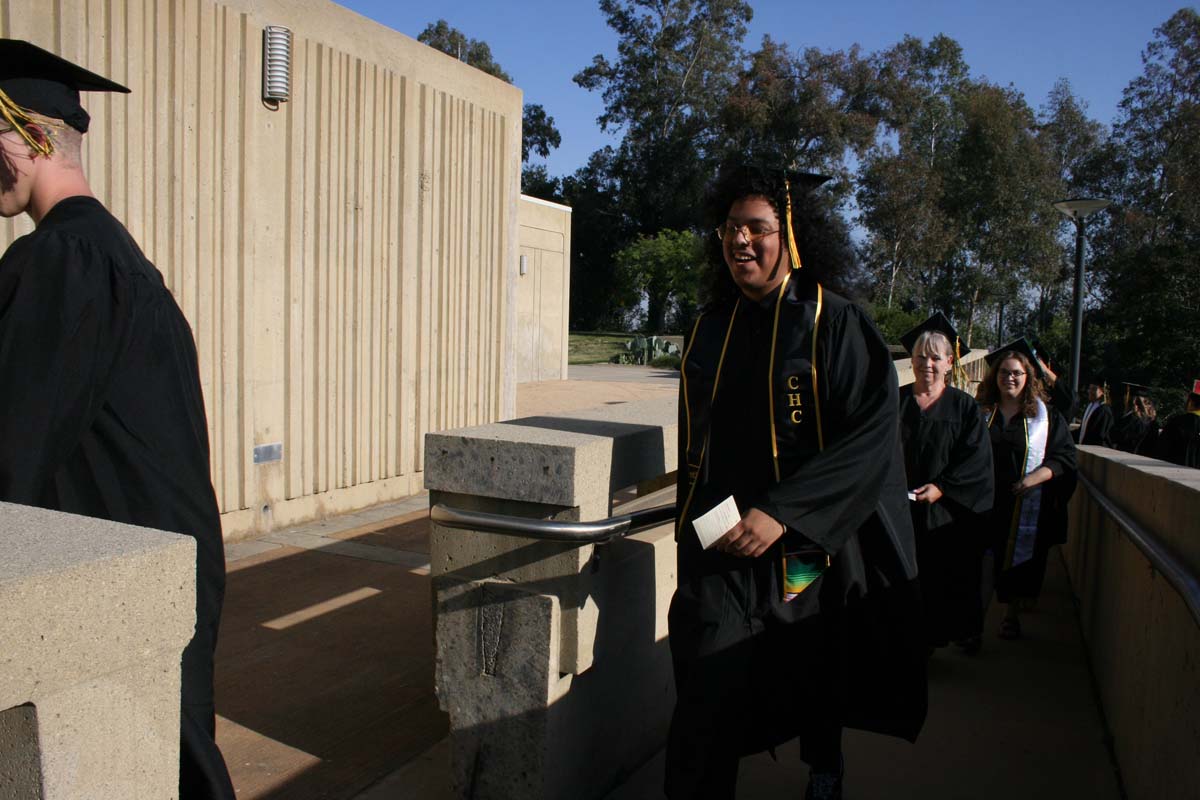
(714, 524)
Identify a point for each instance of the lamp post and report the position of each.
(1078, 209)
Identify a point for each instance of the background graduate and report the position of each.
(1179, 441)
(804, 616)
(101, 412)
(948, 461)
(1136, 431)
(1034, 462)
(1096, 426)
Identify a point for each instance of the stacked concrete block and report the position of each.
(96, 616)
(552, 658)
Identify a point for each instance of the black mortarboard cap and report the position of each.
(940, 323)
(1021, 346)
(1040, 351)
(40, 81)
(1136, 389)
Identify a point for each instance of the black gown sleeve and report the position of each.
(1103, 422)
(968, 477)
(55, 325)
(1060, 456)
(832, 494)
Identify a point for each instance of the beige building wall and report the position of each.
(543, 290)
(347, 261)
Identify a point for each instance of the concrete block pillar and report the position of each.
(538, 642)
(96, 616)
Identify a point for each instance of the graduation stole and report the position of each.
(694, 469)
(1022, 532)
(799, 569)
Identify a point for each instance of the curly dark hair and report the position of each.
(818, 241)
(988, 393)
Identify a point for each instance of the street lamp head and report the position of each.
(1079, 207)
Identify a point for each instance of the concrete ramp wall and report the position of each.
(1143, 641)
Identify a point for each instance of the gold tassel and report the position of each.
(960, 379)
(795, 254)
(17, 118)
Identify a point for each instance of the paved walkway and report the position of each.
(325, 673)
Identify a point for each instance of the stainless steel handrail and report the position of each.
(1162, 559)
(599, 532)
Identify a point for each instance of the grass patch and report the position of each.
(595, 348)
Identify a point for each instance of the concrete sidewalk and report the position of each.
(325, 673)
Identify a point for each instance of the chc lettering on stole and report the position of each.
(796, 409)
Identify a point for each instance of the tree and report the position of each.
(599, 296)
(453, 42)
(805, 111)
(1144, 247)
(913, 237)
(665, 269)
(538, 133)
(676, 62)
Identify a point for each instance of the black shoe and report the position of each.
(824, 786)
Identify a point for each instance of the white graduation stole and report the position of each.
(1037, 431)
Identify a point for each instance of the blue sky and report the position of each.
(543, 43)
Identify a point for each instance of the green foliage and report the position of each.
(594, 347)
(538, 133)
(665, 269)
(536, 181)
(453, 42)
(666, 362)
(676, 60)
(1144, 271)
(894, 322)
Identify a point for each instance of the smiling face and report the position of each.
(1010, 378)
(931, 362)
(758, 266)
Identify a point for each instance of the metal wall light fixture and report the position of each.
(277, 65)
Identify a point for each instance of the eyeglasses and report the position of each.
(729, 232)
(1003, 373)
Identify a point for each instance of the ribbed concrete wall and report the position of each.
(347, 261)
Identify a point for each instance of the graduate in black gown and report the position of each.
(948, 461)
(1096, 425)
(1137, 429)
(1059, 392)
(1179, 441)
(101, 412)
(1035, 474)
(805, 616)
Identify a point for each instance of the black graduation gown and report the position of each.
(751, 670)
(1008, 460)
(101, 415)
(1134, 434)
(1179, 441)
(1061, 399)
(948, 445)
(1099, 427)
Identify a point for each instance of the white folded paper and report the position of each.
(912, 496)
(716, 522)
